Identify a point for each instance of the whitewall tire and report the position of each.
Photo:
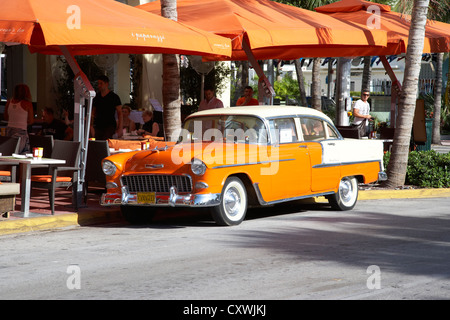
(347, 195)
(233, 205)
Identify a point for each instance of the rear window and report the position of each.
(313, 129)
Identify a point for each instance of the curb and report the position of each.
(397, 194)
(57, 221)
(404, 194)
(97, 217)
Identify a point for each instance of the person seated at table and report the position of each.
(55, 127)
(247, 99)
(150, 126)
(128, 124)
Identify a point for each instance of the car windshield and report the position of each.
(225, 128)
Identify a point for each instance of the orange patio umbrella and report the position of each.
(363, 13)
(273, 30)
(100, 27)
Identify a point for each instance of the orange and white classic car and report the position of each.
(228, 159)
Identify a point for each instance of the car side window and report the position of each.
(283, 130)
(331, 132)
(313, 129)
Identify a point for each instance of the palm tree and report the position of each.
(396, 170)
(171, 81)
(316, 99)
(301, 83)
(367, 74)
(441, 12)
(436, 136)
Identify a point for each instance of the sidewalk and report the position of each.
(443, 148)
(65, 215)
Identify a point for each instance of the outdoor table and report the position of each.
(25, 165)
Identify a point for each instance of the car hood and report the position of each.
(174, 158)
(154, 160)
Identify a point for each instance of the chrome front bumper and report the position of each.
(173, 199)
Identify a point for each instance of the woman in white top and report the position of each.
(19, 114)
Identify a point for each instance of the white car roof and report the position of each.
(264, 111)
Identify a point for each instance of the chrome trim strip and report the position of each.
(154, 166)
(338, 164)
(250, 163)
(264, 203)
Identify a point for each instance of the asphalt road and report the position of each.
(383, 249)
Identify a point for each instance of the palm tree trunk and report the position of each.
(396, 170)
(367, 74)
(301, 83)
(437, 101)
(330, 79)
(238, 82)
(171, 81)
(315, 85)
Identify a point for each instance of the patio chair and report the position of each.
(97, 151)
(46, 142)
(8, 146)
(59, 176)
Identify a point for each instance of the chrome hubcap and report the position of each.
(232, 202)
(346, 190)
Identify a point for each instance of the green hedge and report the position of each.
(426, 169)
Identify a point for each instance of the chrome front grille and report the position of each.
(157, 183)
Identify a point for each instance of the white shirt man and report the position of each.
(210, 101)
(361, 109)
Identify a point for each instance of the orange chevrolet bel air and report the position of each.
(232, 158)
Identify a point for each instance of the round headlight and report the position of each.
(198, 167)
(108, 167)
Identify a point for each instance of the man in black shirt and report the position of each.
(55, 127)
(105, 105)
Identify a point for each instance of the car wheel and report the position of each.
(137, 215)
(233, 205)
(347, 195)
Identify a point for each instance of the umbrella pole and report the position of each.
(82, 119)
